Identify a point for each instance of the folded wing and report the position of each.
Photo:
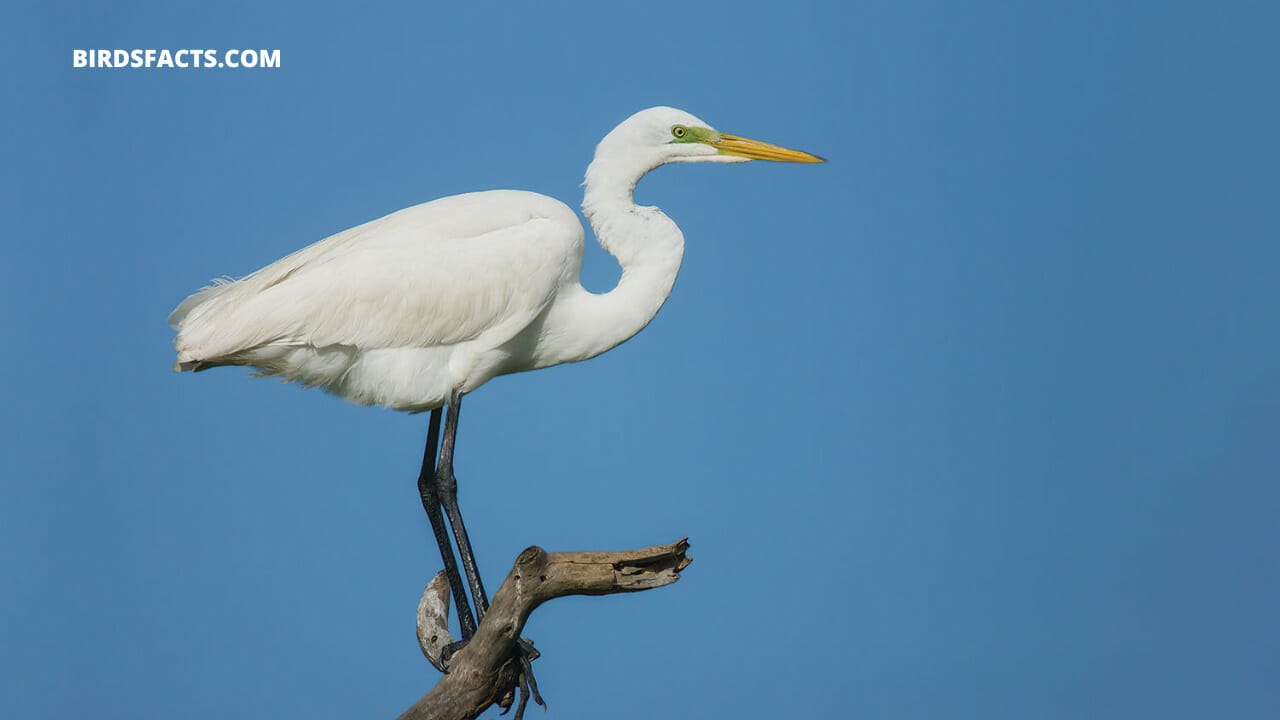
(470, 268)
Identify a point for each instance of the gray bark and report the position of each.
(486, 671)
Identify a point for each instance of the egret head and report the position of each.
(662, 135)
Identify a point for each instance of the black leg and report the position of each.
(431, 503)
(446, 490)
(447, 485)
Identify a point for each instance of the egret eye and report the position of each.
(679, 131)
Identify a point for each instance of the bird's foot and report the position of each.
(526, 684)
(526, 654)
(439, 647)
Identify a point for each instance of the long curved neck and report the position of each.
(648, 246)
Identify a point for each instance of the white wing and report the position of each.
(467, 268)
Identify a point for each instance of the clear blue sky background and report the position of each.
(980, 419)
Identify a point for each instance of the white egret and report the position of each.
(414, 310)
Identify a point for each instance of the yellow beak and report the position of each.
(756, 150)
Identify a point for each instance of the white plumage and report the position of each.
(443, 296)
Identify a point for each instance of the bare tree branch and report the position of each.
(486, 671)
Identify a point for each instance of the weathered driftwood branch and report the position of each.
(486, 671)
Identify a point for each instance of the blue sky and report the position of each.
(980, 419)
